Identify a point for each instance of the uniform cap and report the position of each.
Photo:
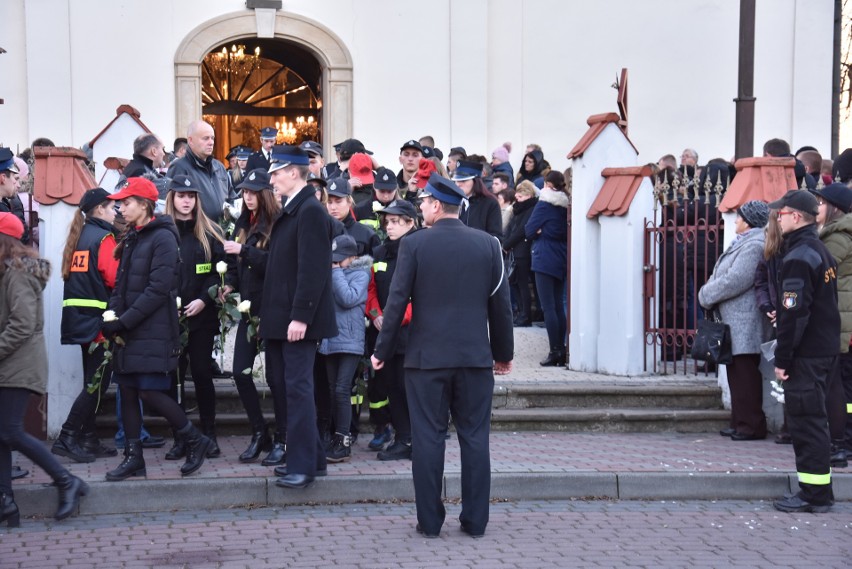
(385, 179)
(352, 146)
(269, 133)
(443, 190)
(318, 179)
(339, 187)
(256, 180)
(311, 147)
(284, 155)
(7, 161)
(400, 207)
(182, 183)
(467, 170)
(92, 199)
(413, 144)
(342, 247)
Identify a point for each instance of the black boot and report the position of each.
(178, 450)
(556, 357)
(93, 445)
(132, 465)
(341, 448)
(209, 430)
(68, 445)
(278, 454)
(197, 448)
(260, 441)
(70, 490)
(9, 511)
(839, 457)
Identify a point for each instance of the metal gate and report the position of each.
(682, 244)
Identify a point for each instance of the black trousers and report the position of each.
(199, 350)
(13, 406)
(81, 417)
(746, 384)
(378, 392)
(291, 380)
(835, 402)
(520, 283)
(846, 379)
(391, 381)
(245, 352)
(804, 397)
(432, 395)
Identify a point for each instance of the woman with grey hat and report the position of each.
(835, 231)
(730, 291)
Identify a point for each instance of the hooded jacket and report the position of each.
(837, 238)
(548, 229)
(23, 356)
(144, 299)
(537, 174)
(349, 288)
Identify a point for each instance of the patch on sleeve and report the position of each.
(790, 300)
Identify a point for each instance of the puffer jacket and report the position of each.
(837, 238)
(349, 288)
(23, 356)
(731, 290)
(548, 228)
(145, 297)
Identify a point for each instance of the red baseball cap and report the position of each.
(425, 168)
(361, 167)
(138, 187)
(11, 225)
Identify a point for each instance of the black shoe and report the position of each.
(839, 457)
(178, 450)
(18, 472)
(341, 448)
(197, 447)
(795, 504)
(71, 489)
(737, 436)
(783, 439)
(397, 451)
(132, 465)
(471, 533)
(210, 432)
(153, 442)
(426, 534)
(556, 357)
(68, 445)
(281, 471)
(727, 432)
(93, 445)
(278, 453)
(522, 322)
(217, 371)
(9, 512)
(260, 441)
(297, 481)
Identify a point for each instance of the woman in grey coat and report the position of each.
(730, 290)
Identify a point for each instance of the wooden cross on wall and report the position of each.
(621, 85)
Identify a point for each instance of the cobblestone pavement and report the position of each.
(521, 534)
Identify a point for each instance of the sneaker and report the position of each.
(382, 436)
(397, 451)
(341, 449)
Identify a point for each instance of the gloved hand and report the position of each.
(110, 329)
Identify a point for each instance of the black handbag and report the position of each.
(712, 341)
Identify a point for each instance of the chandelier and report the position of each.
(235, 62)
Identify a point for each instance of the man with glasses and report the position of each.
(807, 328)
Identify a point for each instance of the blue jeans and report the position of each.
(551, 296)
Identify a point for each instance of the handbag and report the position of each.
(712, 341)
(510, 264)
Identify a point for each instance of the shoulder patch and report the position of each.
(790, 300)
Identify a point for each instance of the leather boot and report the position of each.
(839, 458)
(178, 450)
(9, 511)
(341, 448)
(197, 447)
(70, 490)
(278, 454)
(68, 445)
(132, 465)
(556, 357)
(93, 445)
(209, 430)
(259, 441)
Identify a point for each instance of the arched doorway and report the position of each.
(334, 83)
(258, 83)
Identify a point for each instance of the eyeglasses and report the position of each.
(781, 213)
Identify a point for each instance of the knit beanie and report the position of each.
(755, 213)
(501, 153)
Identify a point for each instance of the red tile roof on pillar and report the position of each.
(134, 114)
(759, 178)
(597, 123)
(61, 174)
(618, 190)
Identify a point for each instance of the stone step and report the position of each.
(611, 420)
(703, 395)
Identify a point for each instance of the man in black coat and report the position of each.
(260, 159)
(460, 335)
(207, 173)
(297, 309)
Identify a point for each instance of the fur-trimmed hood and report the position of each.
(37, 267)
(362, 262)
(553, 197)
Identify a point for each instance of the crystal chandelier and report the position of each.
(235, 62)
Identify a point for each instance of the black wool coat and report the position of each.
(145, 298)
(250, 265)
(297, 285)
(484, 213)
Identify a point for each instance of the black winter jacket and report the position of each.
(363, 235)
(515, 239)
(484, 213)
(250, 264)
(197, 274)
(145, 299)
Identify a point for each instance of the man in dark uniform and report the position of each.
(807, 327)
(297, 309)
(260, 159)
(384, 193)
(10, 183)
(460, 335)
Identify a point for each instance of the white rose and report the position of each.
(178, 302)
(244, 306)
(221, 267)
(109, 316)
(377, 206)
